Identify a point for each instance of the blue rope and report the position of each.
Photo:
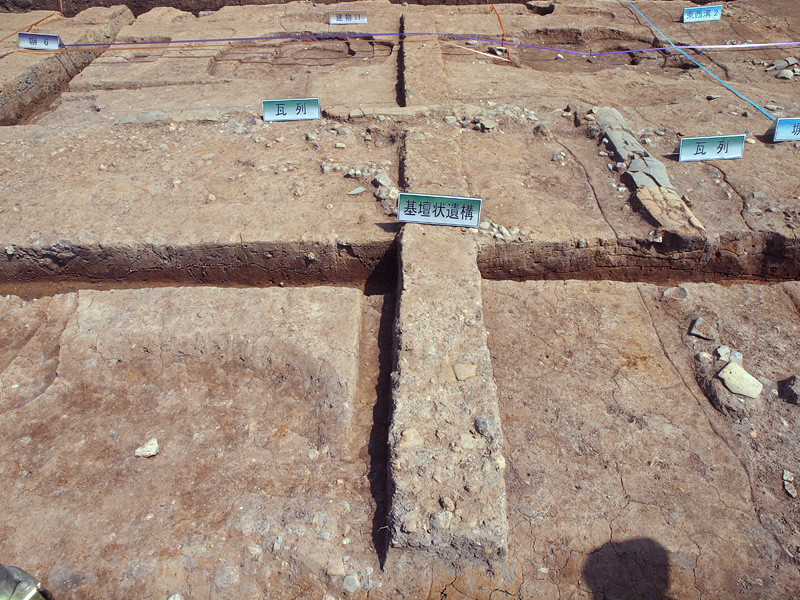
(742, 96)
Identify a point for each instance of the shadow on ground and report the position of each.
(636, 569)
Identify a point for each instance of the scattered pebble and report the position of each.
(790, 489)
(351, 583)
(700, 328)
(441, 519)
(335, 567)
(147, 450)
(465, 370)
(355, 191)
(723, 353)
(485, 427)
(382, 180)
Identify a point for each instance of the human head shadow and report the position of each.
(636, 569)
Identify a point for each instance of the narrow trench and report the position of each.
(400, 86)
(378, 445)
(755, 258)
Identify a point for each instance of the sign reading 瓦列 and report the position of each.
(347, 17)
(295, 109)
(787, 130)
(439, 210)
(38, 41)
(711, 148)
(703, 13)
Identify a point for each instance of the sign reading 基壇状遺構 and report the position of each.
(702, 13)
(38, 41)
(293, 109)
(786, 130)
(439, 210)
(711, 148)
(347, 17)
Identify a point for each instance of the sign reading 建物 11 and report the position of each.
(295, 109)
(786, 130)
(703, 13)
(347, 17)
(439, 210)
(38, 41)
(711, 148)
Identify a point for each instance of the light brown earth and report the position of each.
(350, 408)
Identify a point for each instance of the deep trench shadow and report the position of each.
(636, 569)
(378, 446)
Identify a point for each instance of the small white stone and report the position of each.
(465, 370)
(410, 437)
(147, 450)
(739, 381)
(441, 519)
(790, 489)
(175, 597)
(335, 567)
(723, 353)
(788, 475)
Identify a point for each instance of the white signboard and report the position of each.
(292, 109)
(711, 148)
(703, 13)
(439, 210)
(347, 17)
(38, 41)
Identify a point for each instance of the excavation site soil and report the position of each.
(237, 359)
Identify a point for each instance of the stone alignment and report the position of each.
(653, 191)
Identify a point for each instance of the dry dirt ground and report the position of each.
(350, 408)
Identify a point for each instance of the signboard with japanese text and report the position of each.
(711, 148)
(703, 13)
(294, 109)
(347, 17)
(439, 210)
(38, 41)
(786, 130)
